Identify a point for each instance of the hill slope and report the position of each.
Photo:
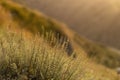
(97, 20)
(35, 22)
(32, 58)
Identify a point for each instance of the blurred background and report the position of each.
(97, 20)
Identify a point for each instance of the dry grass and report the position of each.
(21, 51)
(23, 59)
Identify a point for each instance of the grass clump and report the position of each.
(32, 59)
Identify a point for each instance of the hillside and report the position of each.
(33, 21)
(97, 20)
(32, 58)
(48, 59)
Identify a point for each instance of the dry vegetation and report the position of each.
(100, 53)
(23, 59)
(33, 58)
(21, 17)
(44, 56)
(96, 19)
